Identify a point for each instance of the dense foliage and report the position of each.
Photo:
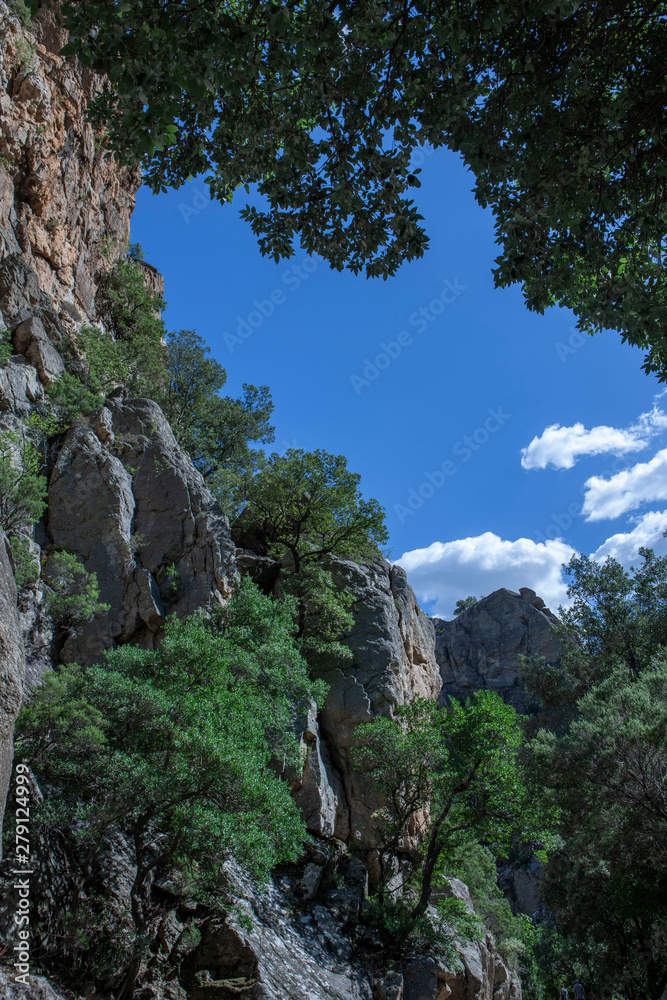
(307, 505)
(174, 747)
(22, 486)
(128, 352)
(6, 349)
(617, 619)
(217, 431)
(456, 769)
(601, 759)
(556, 108)
(72, 597)
(475, 865)
(323, 615)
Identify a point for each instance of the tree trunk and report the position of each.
(126, 991)
(427, 879)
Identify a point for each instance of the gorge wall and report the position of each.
(127, 499)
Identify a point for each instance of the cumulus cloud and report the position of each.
(445, 571)
(647, 532)
(644, 482)
(562, 446)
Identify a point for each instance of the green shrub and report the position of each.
(6, 349)
(22, 488)
(322, 612)
(21, 11)
(98, 364)
(450, 921)
(217, 431)
(177, 746)
(173, 583)
(464, 603)
(74, 595)
(475, 865)
(130, 352)
(26, 564)
(131, 312)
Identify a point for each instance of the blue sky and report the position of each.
(431, 384)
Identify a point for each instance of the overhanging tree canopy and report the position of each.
(558, 108)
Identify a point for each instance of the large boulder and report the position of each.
(127, 499)
(480, 649)
(29, 987)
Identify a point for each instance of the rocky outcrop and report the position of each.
(301, 937)
(522, 885)
(64, 204)
(12, 669)
(30, 988)
(480, 648)
(126, 498)
(393, 661)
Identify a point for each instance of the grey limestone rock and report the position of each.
(420, 977)
(31, 339)
(480, 648)
(390, 986)
(315, 789)
(20, 386)
(135, 509)
(393, 660)
(522, 886)
(36, 988)
(482, 974)
(297, 956)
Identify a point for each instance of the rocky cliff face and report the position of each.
(296, 939)
(125, 498)
(63, 202)
(393, 647)
(480, 649)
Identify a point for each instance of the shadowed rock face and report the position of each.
(127, 499)
(294, 939)
(480, 649)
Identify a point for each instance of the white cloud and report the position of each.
(647, 532)
(608, 498)
(445, 571)
(562, 446)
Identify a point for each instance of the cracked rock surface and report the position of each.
(480, 648)
(137, 511)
